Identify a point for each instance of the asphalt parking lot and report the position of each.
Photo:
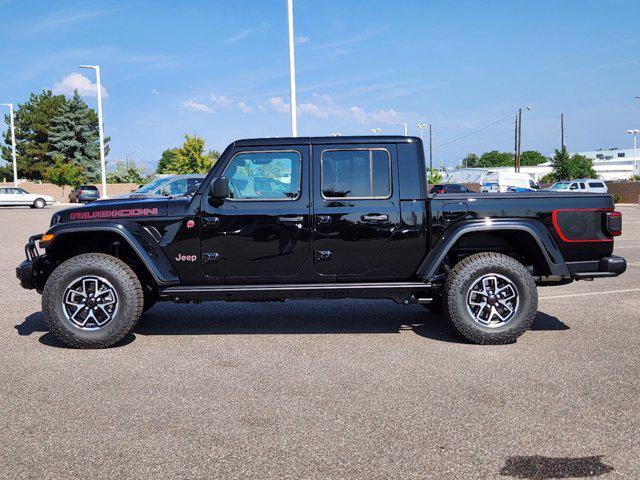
(334, 389)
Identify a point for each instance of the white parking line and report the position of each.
(625, 246)
(569, 295)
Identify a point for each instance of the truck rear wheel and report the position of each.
(92, 301)
(490, 298)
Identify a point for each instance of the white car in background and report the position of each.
(584, 185)
(498, 182)
(12, 196)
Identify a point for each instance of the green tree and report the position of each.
(190, 157)
(128, 172)
(73, 134)
(32, 123)
(570, 167)
(470, 161)
(495, 158)
(64, 173)
(166, 161)
(531, 158)
(434, 177)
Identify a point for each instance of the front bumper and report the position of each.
(28, 270)
(605, 267)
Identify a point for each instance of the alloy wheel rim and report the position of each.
(90, 302)
(493, 300)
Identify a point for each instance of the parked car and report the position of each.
(84, 194)
(357, 223)
(494, 182)
(449, 188)
(13, 196)
(168, 186)
(582, 185)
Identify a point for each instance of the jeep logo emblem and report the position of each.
(186, 258)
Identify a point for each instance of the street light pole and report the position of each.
(13, 144)
(421, 127)
(103, 168)
(292, 71)
(404, 126)
(635, 133)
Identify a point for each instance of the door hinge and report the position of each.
(210, 257)
(322, 255)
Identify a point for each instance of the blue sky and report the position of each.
(220, 68)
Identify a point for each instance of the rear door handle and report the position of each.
(374, 217)
(299, 219)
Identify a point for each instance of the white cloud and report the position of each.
(300, 39)
(155, 91)
(64, 18)
(244, 108)
(278, 104)
(245, 32)
(220, 100)
(379, 116)
(196, 107)
(77, 81)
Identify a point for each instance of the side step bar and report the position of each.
(292, 291)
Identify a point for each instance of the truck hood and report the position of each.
(114, 209)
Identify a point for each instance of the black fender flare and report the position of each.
(538, 231)
(145, 247)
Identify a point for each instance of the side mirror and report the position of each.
(219, 189)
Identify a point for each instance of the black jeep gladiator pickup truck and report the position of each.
(322, 217)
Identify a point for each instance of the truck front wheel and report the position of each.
(92, 301)
(490, 298)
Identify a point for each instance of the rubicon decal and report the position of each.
(186, 258)
(124, 212)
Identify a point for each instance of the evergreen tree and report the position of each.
(32, 122)
(73, 135)
(567, 167)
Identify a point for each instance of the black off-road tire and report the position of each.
(121, 277)
(467, 272)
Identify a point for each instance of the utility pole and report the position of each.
(292, 71)
(561, 131)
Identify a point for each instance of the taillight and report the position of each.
(614, 223)
(440, 191)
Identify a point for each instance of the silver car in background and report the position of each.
(168, 186)
(583, 185)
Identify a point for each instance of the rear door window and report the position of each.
(356, 173)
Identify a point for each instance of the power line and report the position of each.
(474, 132)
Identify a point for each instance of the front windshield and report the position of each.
(559, 186)
(149, 187)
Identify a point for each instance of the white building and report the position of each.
(613, 164)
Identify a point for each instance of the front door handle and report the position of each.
(299, 219)
(374, 217)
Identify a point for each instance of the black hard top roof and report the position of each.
(259, 142)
